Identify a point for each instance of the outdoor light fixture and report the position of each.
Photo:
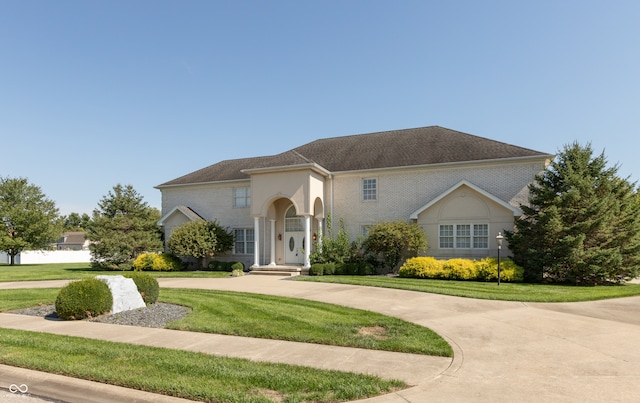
(279, 237)
(499, 238)
(314, 237)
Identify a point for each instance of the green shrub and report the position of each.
(157, 262)
(217, 265)
(239, 266)
(237, 273)
(316, 269)
(147, 286)
(461, 269)
(83, 299)
(350, 269)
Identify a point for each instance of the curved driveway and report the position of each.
(503, 351)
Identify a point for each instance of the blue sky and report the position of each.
(93, 94)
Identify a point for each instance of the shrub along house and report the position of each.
(460, 188)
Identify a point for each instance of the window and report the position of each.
(242, 197)
(464, 236)
(244, 241)
(364, 230)
(370, 189)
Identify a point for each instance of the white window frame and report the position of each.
(248, 241)
(369, 193)
(463, 236)
(242, 197)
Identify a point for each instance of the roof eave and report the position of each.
(283, 168)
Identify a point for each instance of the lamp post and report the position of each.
(499, 238)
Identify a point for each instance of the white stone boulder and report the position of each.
(125, 293)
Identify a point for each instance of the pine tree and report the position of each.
(582, 223)
(122, 228)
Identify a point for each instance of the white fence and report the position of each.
(48, 256)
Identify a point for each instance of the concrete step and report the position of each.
(277, 270)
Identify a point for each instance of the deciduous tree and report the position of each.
(200, 239)
(395, 242)
(28, 220)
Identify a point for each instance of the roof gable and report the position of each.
(516, 211)
(390, 149)
(184, 210)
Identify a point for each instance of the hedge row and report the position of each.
(216, 265)
(349, 269)
(461, 269)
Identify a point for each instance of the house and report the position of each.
(460, 188)
(75, 240)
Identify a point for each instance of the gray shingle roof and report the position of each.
(396, 148)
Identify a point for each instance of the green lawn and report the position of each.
(279, 318)
(189, 375)
(75, 271)
(471, 289)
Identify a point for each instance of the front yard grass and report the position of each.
(472, 289)
(77, 271)
(279, 318)
(188, 375)
(283, 318)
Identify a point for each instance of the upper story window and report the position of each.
(369, 189)
(242, 197)
(464, 236)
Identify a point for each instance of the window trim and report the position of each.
(246, 198)
(245, 242)
(364, 189)
(474, 238)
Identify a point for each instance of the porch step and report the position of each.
(277, 270)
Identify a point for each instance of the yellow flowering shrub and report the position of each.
(461, 269)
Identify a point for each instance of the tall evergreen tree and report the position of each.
(28, 220)
(582, 223)
(123, 227)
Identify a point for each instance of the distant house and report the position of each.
(460, 188)
(72, 241)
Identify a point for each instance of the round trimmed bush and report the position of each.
(84, 299)
(147, 286)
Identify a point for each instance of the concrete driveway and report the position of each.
(503, 351)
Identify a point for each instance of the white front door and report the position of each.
(294, 247)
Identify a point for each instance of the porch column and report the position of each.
(320, 222)
(273, 243)
(256, 242)
(307, 241)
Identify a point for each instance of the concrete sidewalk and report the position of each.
(503, 351)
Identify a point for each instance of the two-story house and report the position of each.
(460, 188)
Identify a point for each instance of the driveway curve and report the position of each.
(503, 351)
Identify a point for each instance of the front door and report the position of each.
(293, 237)
(294, 247)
